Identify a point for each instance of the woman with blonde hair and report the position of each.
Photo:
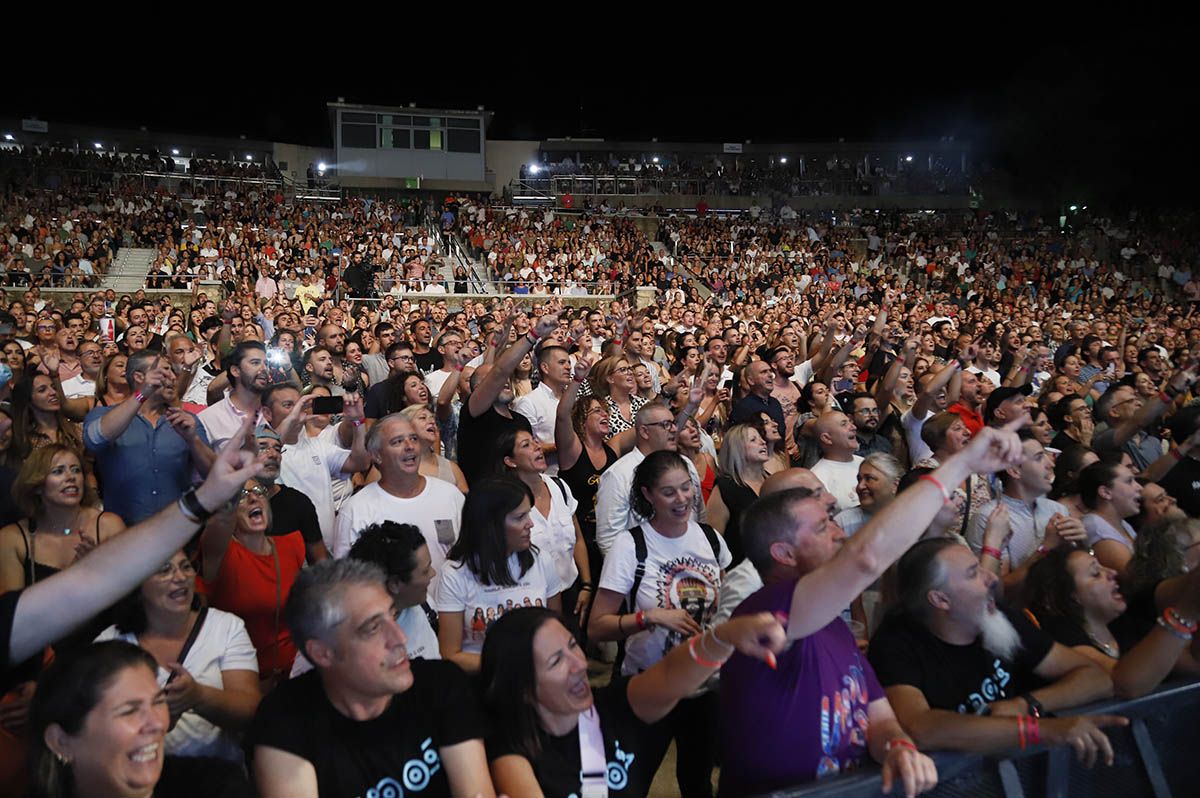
(433, 464)
(62, 521)
(612, 381)
(742, 462)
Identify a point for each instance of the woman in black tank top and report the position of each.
(583, 455)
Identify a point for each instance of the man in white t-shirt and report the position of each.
(540, 405)
(431, 505)
(838, 467)
(90, 362)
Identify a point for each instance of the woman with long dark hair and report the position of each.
(1077, 601)
(492, 568)
(547, 718)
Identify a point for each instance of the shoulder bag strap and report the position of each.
(193, 634)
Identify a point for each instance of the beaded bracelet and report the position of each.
(1181, 635)
(1175, 619)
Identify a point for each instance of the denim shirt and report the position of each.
(144, 469)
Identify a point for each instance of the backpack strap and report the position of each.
(430, 615)
(562, 488)
(713, 541)
(640, 552)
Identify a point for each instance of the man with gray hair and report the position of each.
(367, 720)
(431, 505)
(963, 673)
(146, 447)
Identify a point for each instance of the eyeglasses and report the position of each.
(624, 370)
(669, 424)
(185, 568)
(257, 490)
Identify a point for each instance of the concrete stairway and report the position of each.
(128, 272)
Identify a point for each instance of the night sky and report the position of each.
(1071, 115)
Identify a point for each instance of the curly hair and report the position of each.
(1049, 588)
(1158, 552)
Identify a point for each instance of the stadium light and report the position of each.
(534, 169)
(174, 151)
(908, 158)
(655, 159)
(249, 158)
(98, 145)
(8, 136)
(321, 166)
(783, 159)
(1073, 208)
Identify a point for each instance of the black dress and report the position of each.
(737, 498)
(583, 478)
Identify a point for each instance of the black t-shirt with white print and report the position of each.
(633, 750)
(955, 678)
(391, 755)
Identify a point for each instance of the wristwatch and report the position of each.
(1035, 707)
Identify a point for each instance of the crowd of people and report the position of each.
(825, 174)
(895, 485)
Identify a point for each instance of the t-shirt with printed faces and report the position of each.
(956, 678)
(554, 535)
(397, 753)
(805, 720)
(681, 573)
(633, 750)
(482, 605)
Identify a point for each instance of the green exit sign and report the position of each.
(412, 182)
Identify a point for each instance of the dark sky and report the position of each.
(1068, 113)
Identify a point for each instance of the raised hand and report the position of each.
(230, 470)
(995, 449)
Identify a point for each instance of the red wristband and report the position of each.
(992, 551)
(640, 618)
(701, 661)
(1034, 731)
(898, 742)
(1021, 730)
(935, 481)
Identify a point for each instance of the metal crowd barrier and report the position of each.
(1155, 755)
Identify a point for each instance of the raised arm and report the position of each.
(53, 607)
(820, 596)
(489, 387)
(925, 398)
(1180, 382)
(565, 438)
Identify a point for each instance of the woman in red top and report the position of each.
(249, 573)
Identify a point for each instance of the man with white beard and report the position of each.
(961, 673)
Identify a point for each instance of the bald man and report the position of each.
(743, 579)
(838, 467)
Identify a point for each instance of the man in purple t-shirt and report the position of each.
(822, 711)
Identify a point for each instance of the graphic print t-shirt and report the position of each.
(482, 605)
(394, 754)
(956, 678)
(633, 750)
(681, 573)
(803, 721)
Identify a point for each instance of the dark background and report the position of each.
(1102, 116)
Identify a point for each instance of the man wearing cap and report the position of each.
(1005, 404)
(291, 510)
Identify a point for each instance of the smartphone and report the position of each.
(328, 405)
(727, 382)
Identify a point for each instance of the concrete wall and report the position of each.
(298, 157)
(505, 159)
(687, 202)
